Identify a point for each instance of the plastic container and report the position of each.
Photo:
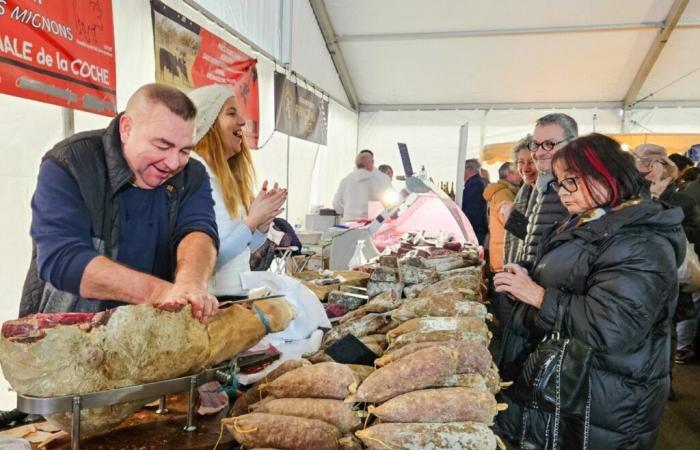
(10, 443)
(309, 237)
(358, 258)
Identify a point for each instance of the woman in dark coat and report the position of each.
(615, 264)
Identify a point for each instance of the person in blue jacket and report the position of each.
(473, 203)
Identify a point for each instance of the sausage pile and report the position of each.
(434, 382)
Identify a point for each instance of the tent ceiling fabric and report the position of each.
(673, 64)
(546, 59)
(409, 16)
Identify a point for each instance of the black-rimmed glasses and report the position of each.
(647, 162)
(569, 185)
(547, 145)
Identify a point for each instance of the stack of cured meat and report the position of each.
(435, 382)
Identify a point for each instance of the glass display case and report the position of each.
(421, 206)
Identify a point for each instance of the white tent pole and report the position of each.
(288, 33)
(68, 122)
(482, 138)
(286, 24)
(461, 157)
(286, 209)
(357, 134)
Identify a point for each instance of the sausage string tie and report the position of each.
(369, 414)
(241, 430)
(221, 435)
(263, 319)
(382, 443)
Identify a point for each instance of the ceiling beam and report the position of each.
(524, 106)
(487, 106)
(324, 23)
(506, 32)
(672, 18)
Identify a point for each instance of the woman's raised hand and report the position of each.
(265, 207)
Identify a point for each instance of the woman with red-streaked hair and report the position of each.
(612, 269)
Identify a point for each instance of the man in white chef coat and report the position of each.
(362, 185)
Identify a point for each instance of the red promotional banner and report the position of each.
(59, 52)
(188, 57)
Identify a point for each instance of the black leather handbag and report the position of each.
(556, 375)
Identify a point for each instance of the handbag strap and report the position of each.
(562, 308)
(557, 407)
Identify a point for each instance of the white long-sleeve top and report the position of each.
(357, 189)
(236, 242)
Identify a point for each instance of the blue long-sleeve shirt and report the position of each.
(62, 232)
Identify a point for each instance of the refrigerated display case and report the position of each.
(422, 206)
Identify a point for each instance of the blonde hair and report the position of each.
(236, 175)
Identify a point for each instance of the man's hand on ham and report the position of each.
(515, 281)
(204, 305)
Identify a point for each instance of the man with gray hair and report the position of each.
(473, 203)
(552, 133)
(358, 188)
(544, 210)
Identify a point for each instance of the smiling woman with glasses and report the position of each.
(569, 184)
(610, 273)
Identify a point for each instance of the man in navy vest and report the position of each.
(123, 216)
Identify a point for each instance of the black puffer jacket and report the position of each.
(673, 196)
(692, 189)
(500, 305)
(544, 210)
(620, 274)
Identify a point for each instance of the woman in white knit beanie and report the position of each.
(243, 218)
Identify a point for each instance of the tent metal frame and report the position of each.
(662, 36)
(525, 105)
(461, 34)
(329, 36)
(663, 30)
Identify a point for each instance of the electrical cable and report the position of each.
(664, 87)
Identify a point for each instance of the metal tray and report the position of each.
(74, 403)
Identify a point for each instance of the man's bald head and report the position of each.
(157, 134)
(364, 160)
(149, 95)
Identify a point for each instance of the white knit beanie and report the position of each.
(208, 100)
